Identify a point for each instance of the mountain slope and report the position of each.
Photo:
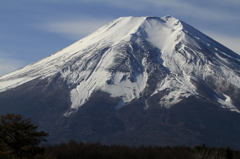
(115, 59)
(119, 75)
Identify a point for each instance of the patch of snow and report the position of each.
(8, 84)
(227, 103)
(177, 88)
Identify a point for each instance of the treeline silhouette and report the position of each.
(19, 139)
(80, 150)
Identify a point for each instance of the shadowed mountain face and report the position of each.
(136, 80)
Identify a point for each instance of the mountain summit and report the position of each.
(132, 67)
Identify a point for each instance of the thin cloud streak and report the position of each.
(198, 9)
(74, 29)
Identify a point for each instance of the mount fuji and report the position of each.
(136, 80)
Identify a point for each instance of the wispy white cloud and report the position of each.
(8, 64)
(75, 28)
(205, 9)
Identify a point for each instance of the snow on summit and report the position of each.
(124, 56)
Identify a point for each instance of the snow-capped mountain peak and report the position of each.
(138, 58)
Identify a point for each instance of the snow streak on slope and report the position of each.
(124, 56)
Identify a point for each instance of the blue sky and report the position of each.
(33, 29)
